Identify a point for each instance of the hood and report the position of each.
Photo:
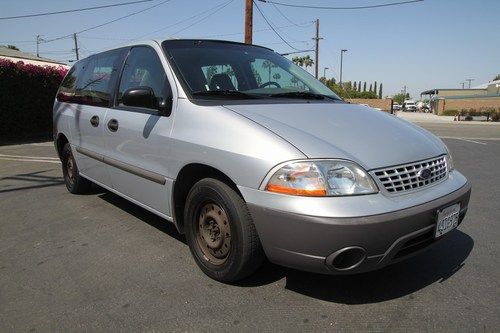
(371, 138)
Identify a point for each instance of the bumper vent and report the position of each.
(412, 176)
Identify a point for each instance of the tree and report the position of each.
(299, 61)
(364, 87)
(308, 62)
(496, 77)
(355, 86)
(380, 91)
(399, 98)
(269, 65)
(371, 88)
(375, 88)
(359, 86)
(12, 47)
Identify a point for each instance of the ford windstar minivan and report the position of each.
(251, 157)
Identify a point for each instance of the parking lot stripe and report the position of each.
(30, 157)
(28, 160)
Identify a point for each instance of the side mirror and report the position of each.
(143, 97)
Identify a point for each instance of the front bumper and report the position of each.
(299, 238)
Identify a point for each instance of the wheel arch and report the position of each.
(189, 175)
(61, 141)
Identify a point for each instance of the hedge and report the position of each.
(27, 94)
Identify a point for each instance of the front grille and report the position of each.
(406, 177)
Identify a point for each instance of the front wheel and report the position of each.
(220, 232)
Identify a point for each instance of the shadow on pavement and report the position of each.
(143, 215)
(34, 180)
(437, 264)
(441, 261)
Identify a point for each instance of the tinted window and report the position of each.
(66, 91)
(143, 69)
(95, 85)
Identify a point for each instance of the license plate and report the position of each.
(447, 220)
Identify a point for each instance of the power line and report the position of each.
(301, 25)
(284, 16)
(342, 8)
(174, 24)
(270, 25)
(204, 18)
(108, 22)
(73, 10)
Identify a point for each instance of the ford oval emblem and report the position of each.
(424, 174)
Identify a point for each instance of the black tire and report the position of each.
(75, 183)
(210, 204)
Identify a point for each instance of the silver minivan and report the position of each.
(251, 158)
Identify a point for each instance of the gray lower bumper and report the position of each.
(304, 242)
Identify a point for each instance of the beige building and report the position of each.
(28, 58)
(483, 96)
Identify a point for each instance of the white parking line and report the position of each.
(28, 160)
(472, 140)
(30, 157)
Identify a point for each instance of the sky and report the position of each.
(422, 45)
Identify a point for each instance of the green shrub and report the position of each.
(27, 94)
(450, 113)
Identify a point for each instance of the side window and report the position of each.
(66, 91)
(96, 83)
(143, 68)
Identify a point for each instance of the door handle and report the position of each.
(113, 125)
(94, 121)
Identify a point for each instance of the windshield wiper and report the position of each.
(302, 94)
(228, 93)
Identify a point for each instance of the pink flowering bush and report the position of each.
(27, 94)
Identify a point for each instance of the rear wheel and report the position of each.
(220, 232)
(75, 183)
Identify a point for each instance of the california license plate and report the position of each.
(447, 220)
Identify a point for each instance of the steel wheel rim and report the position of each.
(70, 168)
(213, 233)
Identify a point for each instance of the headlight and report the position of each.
(321, 178)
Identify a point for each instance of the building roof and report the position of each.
(6, 52)
(485, 85)
(435, 91)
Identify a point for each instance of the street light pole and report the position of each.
(324, 71)
(341, 57)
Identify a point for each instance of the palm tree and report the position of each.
(298, 61)
(269, 65)
(308, 62)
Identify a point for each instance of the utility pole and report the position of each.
(76, 46)
(38, 41)
(463, 85)
(316, 59)
(248, 21)
(469, 81)
(341, 56)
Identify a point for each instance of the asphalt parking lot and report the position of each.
(98, 263)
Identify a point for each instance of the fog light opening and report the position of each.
(346, 258)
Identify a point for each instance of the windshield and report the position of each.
(215, 69)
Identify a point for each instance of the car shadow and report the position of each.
(144, 215)
(437, 264)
